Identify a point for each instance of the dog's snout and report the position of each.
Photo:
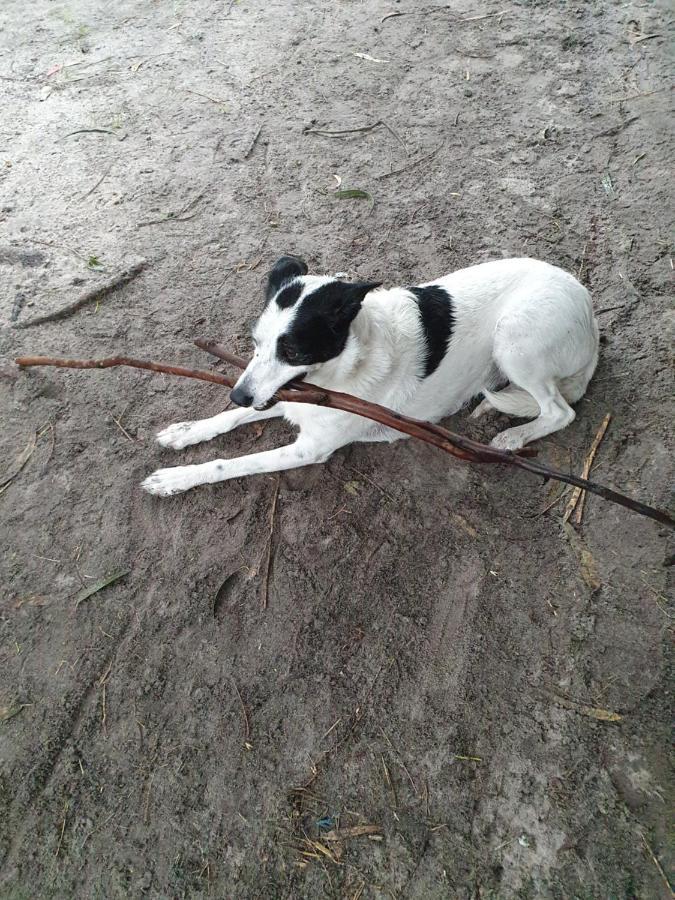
(241, 397)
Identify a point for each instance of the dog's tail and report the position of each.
(513, 401)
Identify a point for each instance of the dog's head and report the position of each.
(305, 324)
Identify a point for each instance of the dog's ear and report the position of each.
(283, 270)
(352, 296)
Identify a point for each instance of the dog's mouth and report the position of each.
(284, 387)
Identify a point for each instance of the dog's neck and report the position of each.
(358, 364)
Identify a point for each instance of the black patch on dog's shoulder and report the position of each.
(283, 270)
(436, 314)
(320, 328)
(289, 295)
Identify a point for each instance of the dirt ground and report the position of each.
(439, 657)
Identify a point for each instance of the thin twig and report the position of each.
(99, 182)
(122, 428)
(435, 9)
(636, 96)
(657, 864)
(578, 515)
(96, 293)
(410, 165)
(301, 392)
(577, 493)
(268, 560)
(205, 96)
(342, 131)
(120, 137)
(175, 217)
(606, 309)
(251, 146)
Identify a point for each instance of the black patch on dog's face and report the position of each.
(284, 269)
(436, 314)
(320, 328)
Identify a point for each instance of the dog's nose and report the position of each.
(241, 397)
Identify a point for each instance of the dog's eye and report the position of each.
(288, 352)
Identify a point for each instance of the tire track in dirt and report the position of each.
(450, 629)
(39, 776)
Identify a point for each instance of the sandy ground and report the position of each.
(439, 658)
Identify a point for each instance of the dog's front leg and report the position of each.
(303, 452)
(183, 434)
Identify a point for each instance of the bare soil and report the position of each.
(439, 657)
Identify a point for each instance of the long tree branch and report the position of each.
(301, 392)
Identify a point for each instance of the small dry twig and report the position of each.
(342, 131)
(578, 493)
(410, 165)
(657, 864)
(96, 293)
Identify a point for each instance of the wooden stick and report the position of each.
(578, 492)
(98, 292)
(301, 392)
(578, 515)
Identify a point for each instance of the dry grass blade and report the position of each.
(342, 834)
(97, 586)
(247, 724)
(18, 464)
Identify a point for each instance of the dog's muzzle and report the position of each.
(271, 402)
(241, 397)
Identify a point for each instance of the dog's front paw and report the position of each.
(177, 436)
(165, 482)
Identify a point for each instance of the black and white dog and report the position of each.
(423, 351)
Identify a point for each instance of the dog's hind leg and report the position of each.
(555, 413)
(303, 452)
(183, 434)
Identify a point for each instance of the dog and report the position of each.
(423, 351)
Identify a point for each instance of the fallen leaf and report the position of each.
(352, 487)
(8, 712)
(605, 715)
(97, 586)
(464, 525)
(353, 194)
